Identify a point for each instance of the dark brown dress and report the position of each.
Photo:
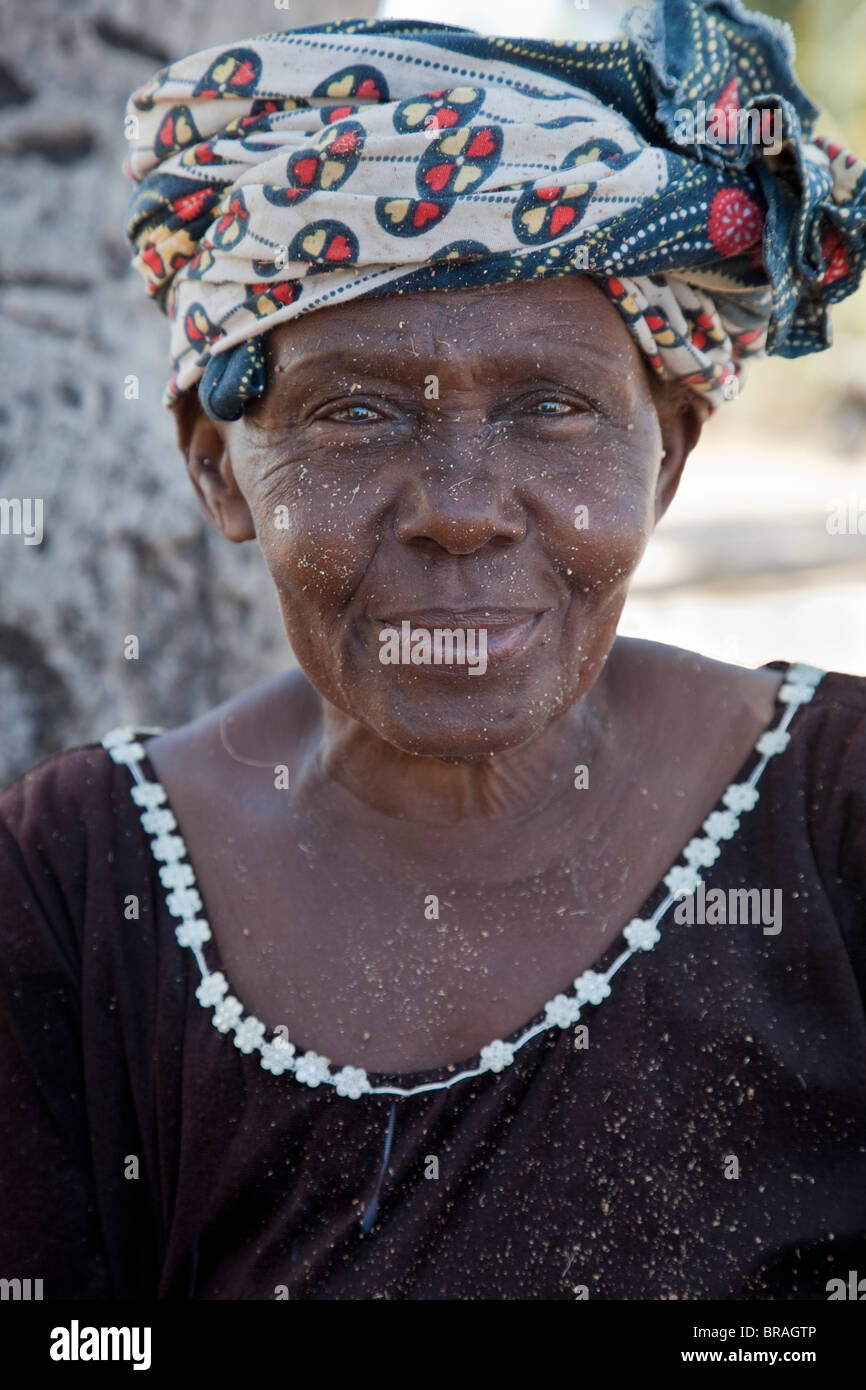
(607, 1168)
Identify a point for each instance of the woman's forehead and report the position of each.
(507, 326)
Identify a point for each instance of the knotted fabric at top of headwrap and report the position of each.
(304, 168)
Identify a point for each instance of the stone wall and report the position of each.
(125, 550)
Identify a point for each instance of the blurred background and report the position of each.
(761, 556)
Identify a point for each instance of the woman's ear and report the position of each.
(682, 414)
(204, 445)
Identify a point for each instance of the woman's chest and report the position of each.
(397, 952)
(678, 1155)
(399, 972)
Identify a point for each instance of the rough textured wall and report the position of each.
(125, 550)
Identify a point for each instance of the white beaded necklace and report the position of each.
(278, 1055)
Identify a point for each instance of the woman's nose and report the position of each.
(459, 508)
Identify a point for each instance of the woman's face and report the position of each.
(470, 459)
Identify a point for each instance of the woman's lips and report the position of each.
(506, 634)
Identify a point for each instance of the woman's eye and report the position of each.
(353, 414)
(550, 407)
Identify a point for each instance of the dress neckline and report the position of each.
(592, 987)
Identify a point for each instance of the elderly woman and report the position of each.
(426, 971)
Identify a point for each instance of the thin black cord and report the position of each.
(369, 1216)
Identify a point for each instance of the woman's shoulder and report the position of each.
(69, 827)
(258, 728)
(829, 756)
(59, 788)
(73, 794)
(822, 712)
(715, 680)
(832, 727)
(835, 689)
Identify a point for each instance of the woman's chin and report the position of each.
(471, 730)
(450, 712)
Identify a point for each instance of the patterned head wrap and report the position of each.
(308, 167)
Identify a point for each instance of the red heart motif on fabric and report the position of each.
(152, 259)
(284, 292)
(655, 322)
(444, 119)
(562, 217)
(345, 143)
(243, 74)
(195, 330)
(166, 131)
(437, 177)
(190, 204)
(833, 251)
(339, 249)
(368, 88)
(339, 112)
(735, 222)
(305, 170)
(482, 144)
(548, 194)
(616, 286)
(425, 212)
